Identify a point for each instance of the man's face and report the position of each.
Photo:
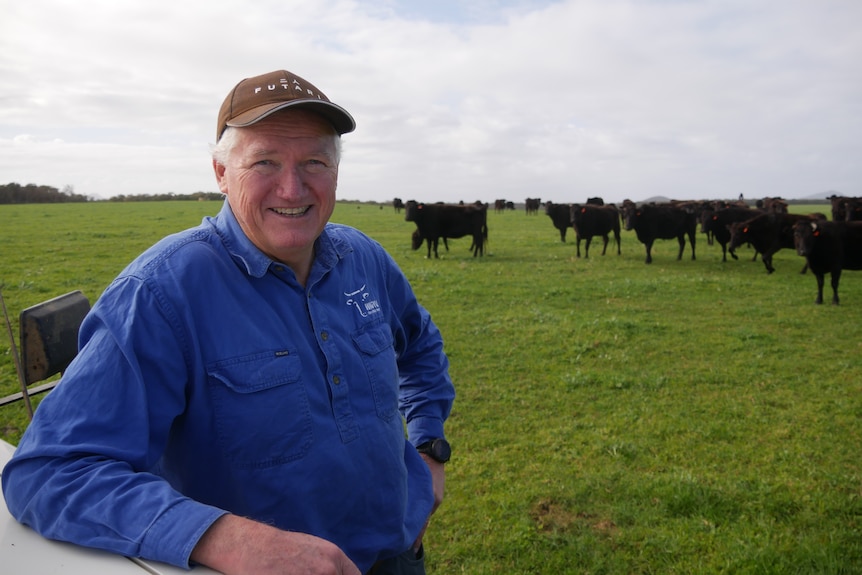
(280, 180)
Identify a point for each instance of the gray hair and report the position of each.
(221, 150)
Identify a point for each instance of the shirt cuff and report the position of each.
(173, 536)
(422, 429)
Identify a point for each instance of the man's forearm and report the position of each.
(237, 546)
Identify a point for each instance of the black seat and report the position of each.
(49, 342)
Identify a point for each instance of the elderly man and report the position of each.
(242, 388)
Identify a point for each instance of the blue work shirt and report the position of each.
(210, 381)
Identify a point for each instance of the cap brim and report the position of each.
(340, 118)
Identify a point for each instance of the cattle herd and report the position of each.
(828, 246)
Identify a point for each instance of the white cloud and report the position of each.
(560, 100)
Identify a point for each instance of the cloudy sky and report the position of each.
(481, 99)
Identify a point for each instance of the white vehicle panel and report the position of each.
(25, 552)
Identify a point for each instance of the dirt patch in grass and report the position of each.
(551, 515)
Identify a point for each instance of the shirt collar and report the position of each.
(329, 247)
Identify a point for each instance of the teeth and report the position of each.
(291, 211)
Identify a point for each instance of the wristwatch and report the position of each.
(437, 449)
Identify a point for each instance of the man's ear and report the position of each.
(219, 170)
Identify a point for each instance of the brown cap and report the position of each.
(256, 98)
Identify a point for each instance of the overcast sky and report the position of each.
(481, 99)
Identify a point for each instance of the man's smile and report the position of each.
(291, 211)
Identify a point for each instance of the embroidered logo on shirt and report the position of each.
(361, 299)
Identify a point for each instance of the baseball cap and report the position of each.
(256, 98)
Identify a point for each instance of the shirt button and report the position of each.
(324, 335)
(336, 380)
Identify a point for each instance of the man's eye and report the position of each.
(316, 166)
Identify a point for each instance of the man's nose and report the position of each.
(291, 182)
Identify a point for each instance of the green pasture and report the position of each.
(612, 417)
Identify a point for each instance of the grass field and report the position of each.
(612, 417)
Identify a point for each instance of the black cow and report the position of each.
(717, 225)
(398, 205)
(843, 208)
(561, 217)
(592, 220)
(772, 205)
(652, 222)
(435, 221)
(829, 247)
(531, 205)
(767, 233)
(499, 205)
(596, 201)
(853, 210)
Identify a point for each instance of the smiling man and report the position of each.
(242, 388)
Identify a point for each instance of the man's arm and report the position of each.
(237, 546)
(438, 478)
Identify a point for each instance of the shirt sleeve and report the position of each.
(83, 471)
(426, 392)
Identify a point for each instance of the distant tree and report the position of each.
(33, 194)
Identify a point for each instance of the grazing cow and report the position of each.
(435, 221)
(593, 220)
(767, 233)
(661, 222)
(532, 205)
(717, 224)
(561, 217)
(398, 205)
(829, 247)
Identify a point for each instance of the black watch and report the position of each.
(437, 449)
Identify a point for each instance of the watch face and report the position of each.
(441, 450)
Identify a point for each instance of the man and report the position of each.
(242, 388)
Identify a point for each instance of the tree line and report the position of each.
(32, 194)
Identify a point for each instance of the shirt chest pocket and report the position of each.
(375, 346)
(261, 408)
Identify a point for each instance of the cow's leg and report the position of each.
(766, 257)
(820, 278)
(681, 240)
(605, 245)
(692, 239)
(648, 252)
(578, 245)
(836, 276)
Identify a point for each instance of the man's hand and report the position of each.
(237, 546)
(438, 479)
